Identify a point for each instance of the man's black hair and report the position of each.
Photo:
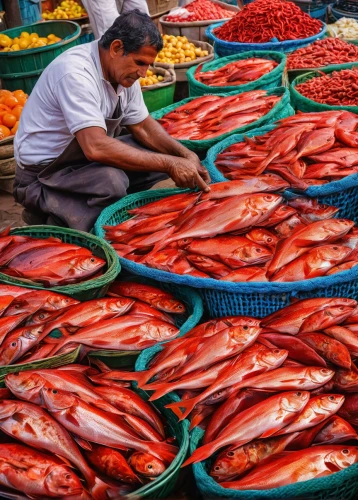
(136, 30)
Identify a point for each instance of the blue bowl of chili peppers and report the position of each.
(224, 48)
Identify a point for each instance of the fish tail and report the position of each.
(99, 489)
(188, 406)
(164, 451)
(143, 377)
(161, 389)
(200, 454)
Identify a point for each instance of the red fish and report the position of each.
(337, 430)
(249, 273)
(349, 410)
(146, 465)
(111, 463)
(346, 380)
(303, 465)
(262, 420)
(297, 349)
(331, 349)
(345, 336)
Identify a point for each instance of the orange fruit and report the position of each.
(4, 109)
(4, 132)
(22, 100)
(16, 111)
(4, 92)
(19, 93)
(14, 128)
(9, 120)
(10, 101)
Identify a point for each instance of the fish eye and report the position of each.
(41, 316)
(150, 466)
(258, 250)
(92, 259)
(55, 391)
(230, 454)
(331, 398)
(269, 240)
(276, 351)
(13, 344)
(67, 476)
(335, 248)
(345, 451)
(17, 306)
(298, 393)
(245, 327)
(217, 468)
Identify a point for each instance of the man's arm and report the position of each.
(152, 135)
(98, 147)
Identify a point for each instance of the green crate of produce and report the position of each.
(90, 289)
(159, 98)
(29, 60)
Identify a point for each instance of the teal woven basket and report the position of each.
(341, 485)
(164, 484)
(91, 289)
(223, 298)
(271, 80)
(281, 110)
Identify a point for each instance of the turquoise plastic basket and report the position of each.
(162, 486)
(222, 298)
(30, 11)
(223, 48)
(340, 485)
(342, 194)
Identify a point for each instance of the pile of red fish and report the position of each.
(199, 10)
(305, 149)
(210, 116)
(235, 73)
(236, 232)
(261, 387)
(67, 427)
(47, 261)
(339, 88)
(132, 318)
(323, 53)
(265, 21)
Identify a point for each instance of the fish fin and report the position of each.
(99, 490)
(159, 392)
(64, 460)
(72, 420)
(28, 428)
(164, 451)
(83, 443)
(103, 405)
(144, 377)
(100, 365)
(200, 454)
(270, 432)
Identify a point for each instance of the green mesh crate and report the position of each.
(28, 60)
(91, 289)
(159, 98)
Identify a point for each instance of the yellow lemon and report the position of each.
(25, 34)
(24, 43)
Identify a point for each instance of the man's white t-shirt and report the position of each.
(71, 95)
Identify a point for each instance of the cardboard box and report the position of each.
(158, 7)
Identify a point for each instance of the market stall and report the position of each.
(196, 344)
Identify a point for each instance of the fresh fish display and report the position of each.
(116, 322)
(239, 231)
(49, 262)
(305, 149)
(210, 116)
(43, 460)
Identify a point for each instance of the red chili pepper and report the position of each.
(262, 20)
(338, 88)
(322, 53)
(201, 10)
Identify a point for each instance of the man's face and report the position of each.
(125, 70)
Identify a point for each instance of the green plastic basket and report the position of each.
(29, 60)
(281, 110)
(270, 80)
(53, 362)
(91, 289)
(162, 486)
(159, 98)
(21, 81)
(305, 104)
(341, 485)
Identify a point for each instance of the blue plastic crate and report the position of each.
(30, 11)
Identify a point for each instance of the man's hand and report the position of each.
(185, 173)
(199, 166)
